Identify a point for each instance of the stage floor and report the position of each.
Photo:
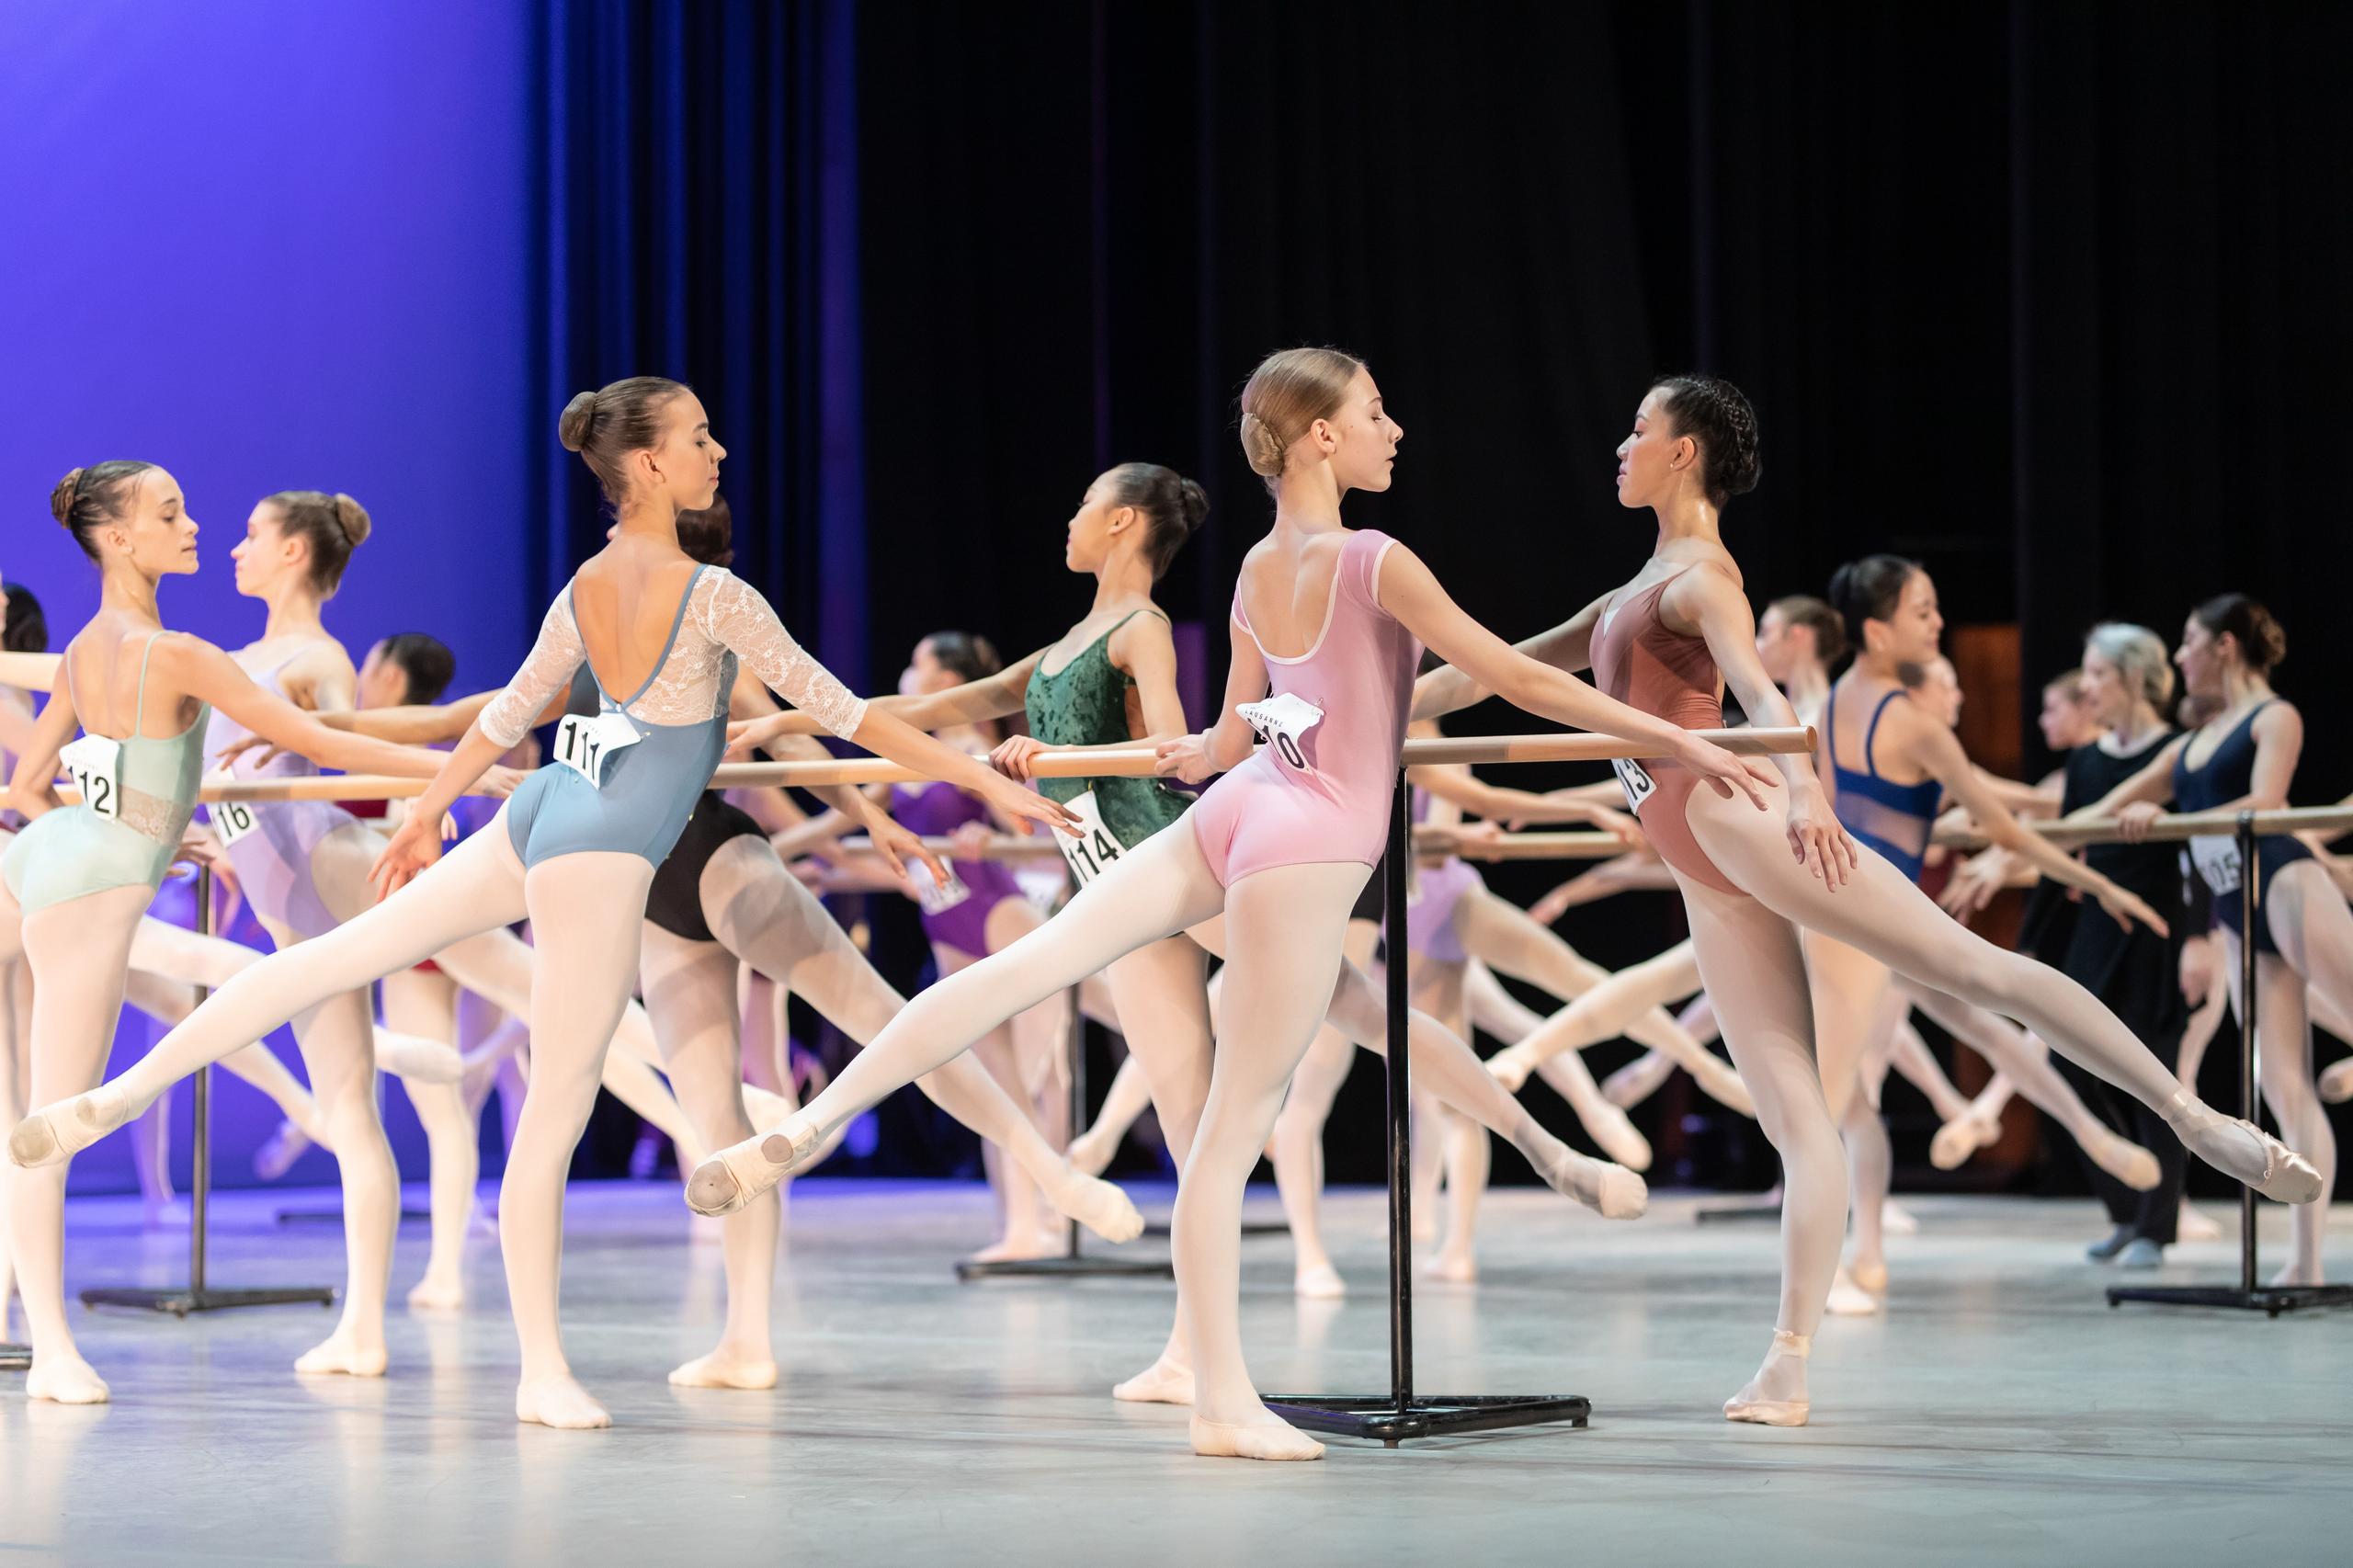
(1999, 1412)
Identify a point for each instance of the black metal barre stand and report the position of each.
(197, 1295)
(2247, 1295)
(1073, 1264)
(1401, 1414)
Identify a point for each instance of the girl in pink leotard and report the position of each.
(1283, 846)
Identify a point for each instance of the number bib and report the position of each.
(231, 819)
(2217, 860)
(1635, 780)
(95, 764)
(585, 745)
(932, 897)
(1285, 724)
(1095, 847)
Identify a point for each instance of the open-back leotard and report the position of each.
(1318, 790)
(647, 789)
(1893, 819)
(273, 857)
(1643, 663)
(2227, 774)
(1084, 704)
(71, 852)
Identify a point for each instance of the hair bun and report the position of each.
(572, 426)
(1194, 505)
(353, 518)
(1261, 446)
(62, 497)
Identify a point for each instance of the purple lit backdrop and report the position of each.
(273, 244)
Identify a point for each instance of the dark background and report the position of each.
(2048, 296)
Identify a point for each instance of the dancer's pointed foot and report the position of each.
(1638, 1080)
(1614, 1191)
(1619, 1138)
(1775, 1396)
(1094, 1203)
(344, 1353)
(1268, 1438)
(416, 1061)
(1716, 1078)
(1165, 1381)
(64, 1378)
(2241, 1149)
(1849, 1300)
(1318, 1282)
(558, 1400)
(727, 1368)
(1091, 1151)
(2196, 1225)
(285, 1145)
(1510, 1067)
(739, 1174)
(1961, 1138)
(1868, 1274)
(2337, 1082)
(58, 1131)
(432, 1295)
(2123, 1159)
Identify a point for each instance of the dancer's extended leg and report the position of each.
(424, 1002)
(1297, 1147)
(1497, 1011)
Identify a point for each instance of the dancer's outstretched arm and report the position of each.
(1568, 646)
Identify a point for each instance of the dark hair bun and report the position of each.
(1193, 506)
(61, 498)
(353, 518)
(1716, 414)
(1868, 589)
(2263, 641)
(572, 426)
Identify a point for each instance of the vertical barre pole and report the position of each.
(1401, 1117)
(1077, 1054)
(2250, 911)
(199, 1152)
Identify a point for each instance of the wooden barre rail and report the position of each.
(1126, 762)
(1512, 847)
(2072, 832)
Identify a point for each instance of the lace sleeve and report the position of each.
(546, 671)
(734, 613)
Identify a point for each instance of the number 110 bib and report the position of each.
(1286, 724)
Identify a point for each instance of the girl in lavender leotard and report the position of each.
(1282, 845)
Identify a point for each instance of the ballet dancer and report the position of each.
(1282, 845)
(1751, 885)
(2245, 759)
(574, 848)
(80, 876)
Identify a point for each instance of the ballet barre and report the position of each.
(1440, 841)
(1402, 1413)
(2073, 833)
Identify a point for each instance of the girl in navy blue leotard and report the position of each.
(2244, 759)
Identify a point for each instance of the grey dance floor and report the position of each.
(1999, 1413)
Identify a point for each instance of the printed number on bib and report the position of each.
(1285, 723)
(2217, 860)
(231, 819)
(584, 744)
(931, 896)
(1094, 849)
(95, 764)
(1632, 779)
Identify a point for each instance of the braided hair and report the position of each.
(1713, 411)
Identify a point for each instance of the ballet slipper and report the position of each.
(2105, 1249)
(1452, 1269)
(723, 1369)
(416, 1061)
(1091, 1152)
(2141, 1254)
(1958, 1139)
(1783, 1374)
(1849, 1300)
(285, 1145)
(768, 1108)
(2197, 1225)
(1615, 1192)
(339, 1355)
(1163, 1383)
(1638, 1080)
(740, 1173)
(431, 1295)
(559, 1401)
(1019, 1249)
(2125, 1160)
(2295, 1274)
(1094, 1203)
(65, 1380)
(1870, 1274)
(1318, 1282)
(1510, 1067)
(1619, 1138)
(2337, 1082)
(2241, 1150)
(1272, 1438)
(1896, 1220)
(61, 1131)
